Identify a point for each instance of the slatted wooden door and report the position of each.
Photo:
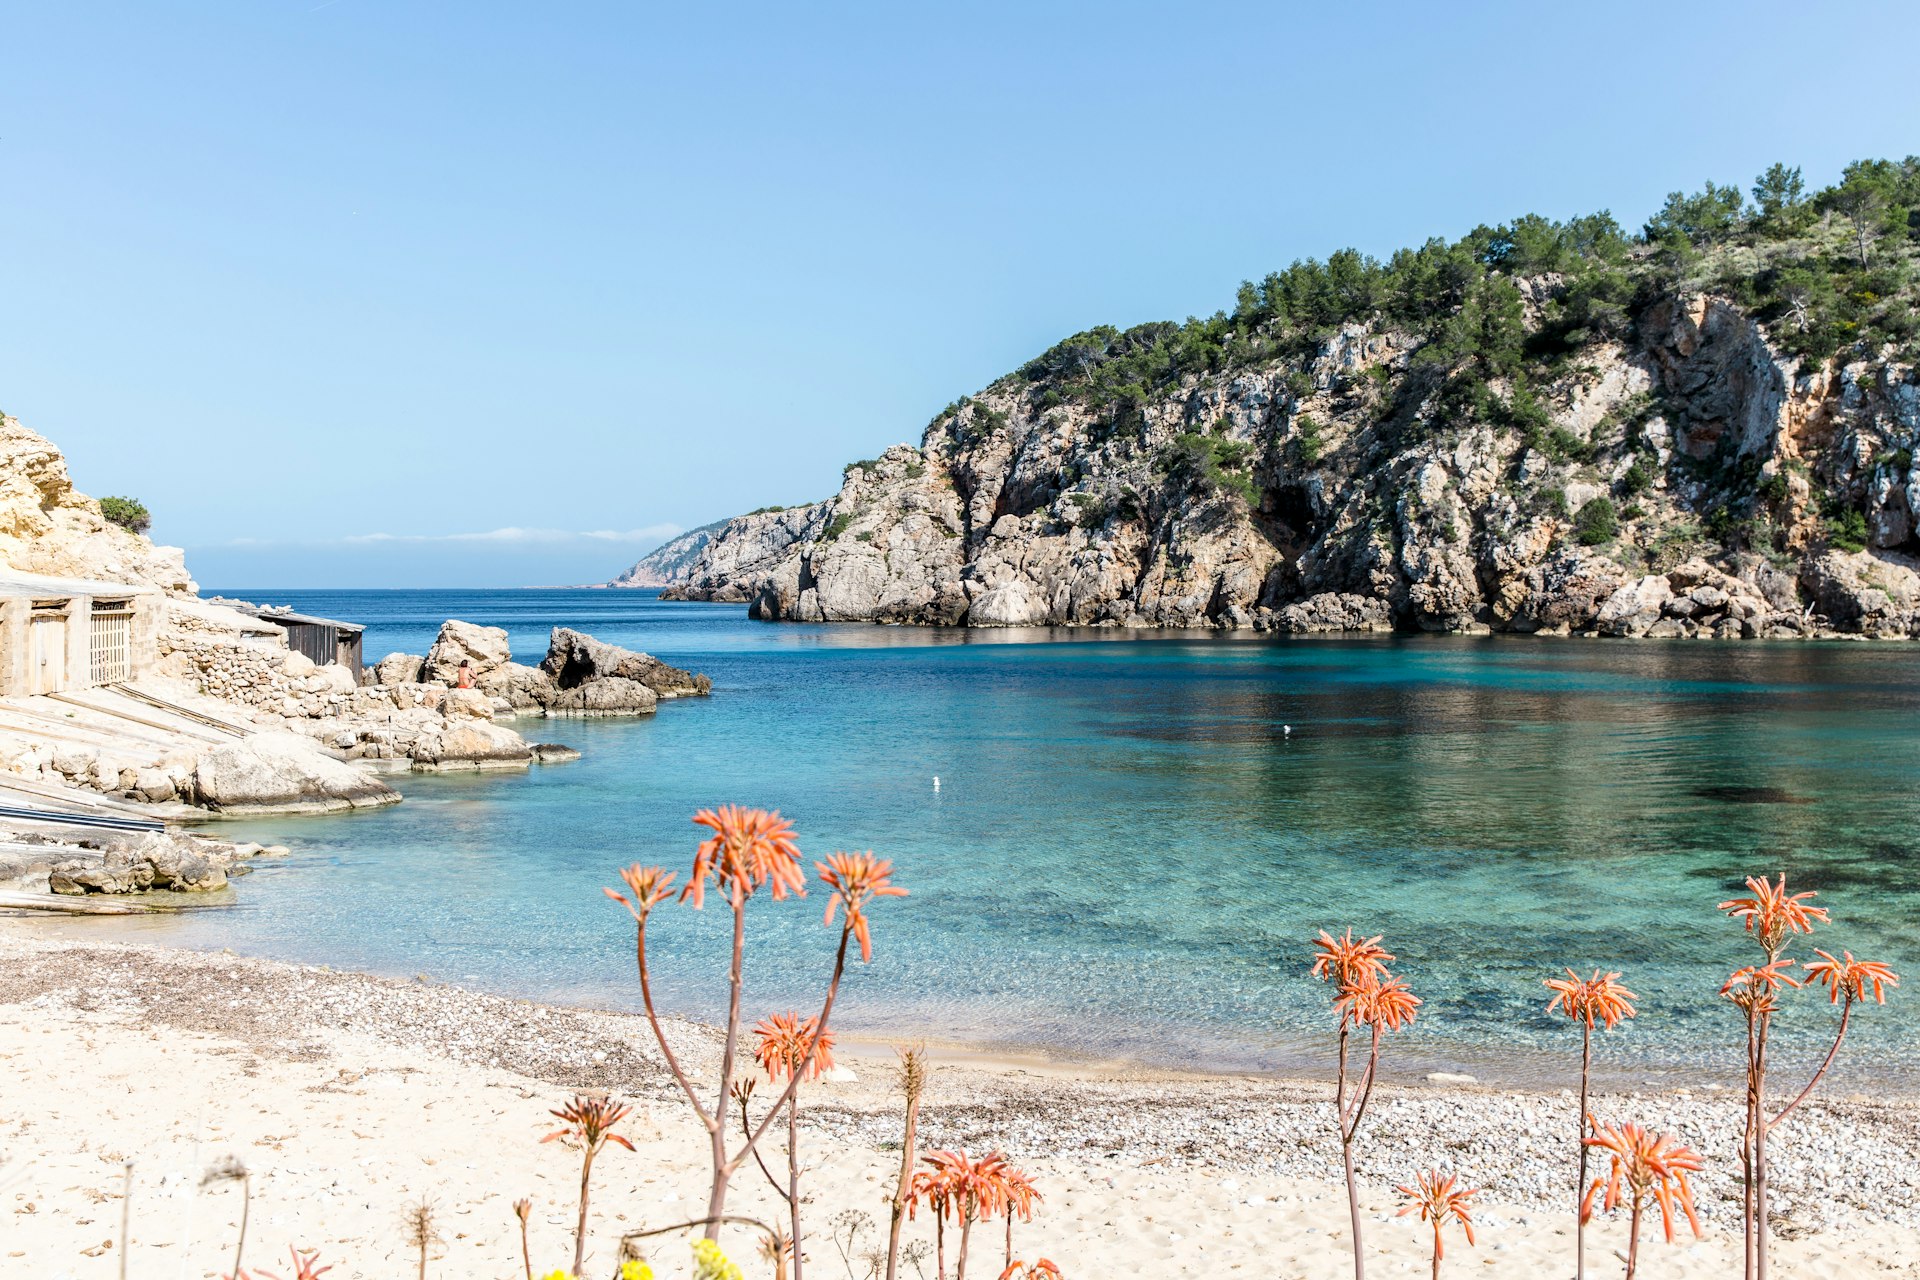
(112, 633)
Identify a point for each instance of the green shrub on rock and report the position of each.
(1597, 522)
(128, 513)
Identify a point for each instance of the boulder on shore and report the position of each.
(483, 648)
(400, 668)
(471, 744)
(137, 864)
(282, 772)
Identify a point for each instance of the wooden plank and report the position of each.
(187, 729)
(65, 722)
(239, 727)
(67, 904)
(73, 798)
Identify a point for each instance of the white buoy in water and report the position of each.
(1286, 731)
(936, 782)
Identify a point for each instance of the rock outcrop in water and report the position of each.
(1709, 430)
(578, 676)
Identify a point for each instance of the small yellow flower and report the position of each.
(711, 1264)
(635, 1270)
(557, 1275)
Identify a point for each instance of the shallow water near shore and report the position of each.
(1128, 854)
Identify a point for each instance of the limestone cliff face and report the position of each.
(47, 526)
(669, 562)
(1682, 478)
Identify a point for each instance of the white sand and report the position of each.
(340, 1135)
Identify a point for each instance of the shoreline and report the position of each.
(1518, 1068)
(1843, 1171)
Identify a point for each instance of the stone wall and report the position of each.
(276, 681)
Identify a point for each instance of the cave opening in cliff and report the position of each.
(1287, 514)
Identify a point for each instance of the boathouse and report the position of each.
(323, 640)
(62, 634)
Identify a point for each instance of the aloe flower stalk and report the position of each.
(587, 1122)
(1366, 995)
(1600, 998)
(1772, 916)
(749, 849)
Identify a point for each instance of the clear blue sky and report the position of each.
(359, 293)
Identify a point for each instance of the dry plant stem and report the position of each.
(1346, 1153)
(1747, 1148)
(746, 1130)
(246, 1208)
(1349, 1134)
(1580, 1141)
(722, 1170)
(1633, 1237)
(715, 1121)
(793, 1176)
(940, 1247)
(913, 1082)
(742, 1219)
(526, 1252)
(966, 1231)
(800, 1069)
(580, 1229)
(1761, 1228)
(1846, 1011)
(126, 1214)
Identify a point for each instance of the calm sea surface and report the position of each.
(1128, 854)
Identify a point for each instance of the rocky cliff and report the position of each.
(668, 563)
(49, 527)
(1708, 428)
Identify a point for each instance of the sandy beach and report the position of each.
(349, 1097)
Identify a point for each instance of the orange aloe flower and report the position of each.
(857, 879)
(748, 848)
(1383, 1001)
(1434, 1198)
(1756, 986)
(1347, 961)
(1850, 978)
(785, 1044)
(589, 1121)
(958, 1185)
(1644, 1163)
(1041, 1270)
(1600, 998)
(651, 886)
(1016, 1193)
(1772, 913)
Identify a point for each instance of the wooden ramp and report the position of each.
(71, 904)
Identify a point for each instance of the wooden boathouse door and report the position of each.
(48, 655)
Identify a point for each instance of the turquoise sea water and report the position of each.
(1128, 857)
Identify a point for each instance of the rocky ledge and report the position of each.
(133, 862)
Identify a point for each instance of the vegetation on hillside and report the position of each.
(128, 513)
(1828, 271)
